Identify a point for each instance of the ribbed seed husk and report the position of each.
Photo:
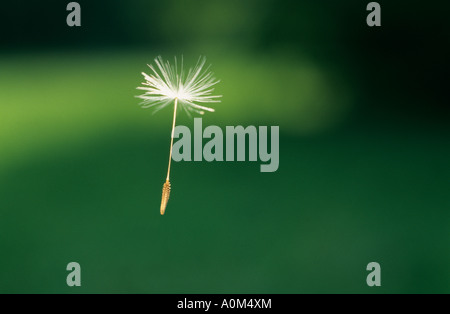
(165, 196)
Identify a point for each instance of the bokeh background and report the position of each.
(364, 149)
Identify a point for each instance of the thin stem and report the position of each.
(171, 138)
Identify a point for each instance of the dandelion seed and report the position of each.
(166, 85)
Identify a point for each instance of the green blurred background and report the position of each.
(364, 149)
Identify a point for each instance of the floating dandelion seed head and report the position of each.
(167, 83)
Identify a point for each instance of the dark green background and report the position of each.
(364, 149)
